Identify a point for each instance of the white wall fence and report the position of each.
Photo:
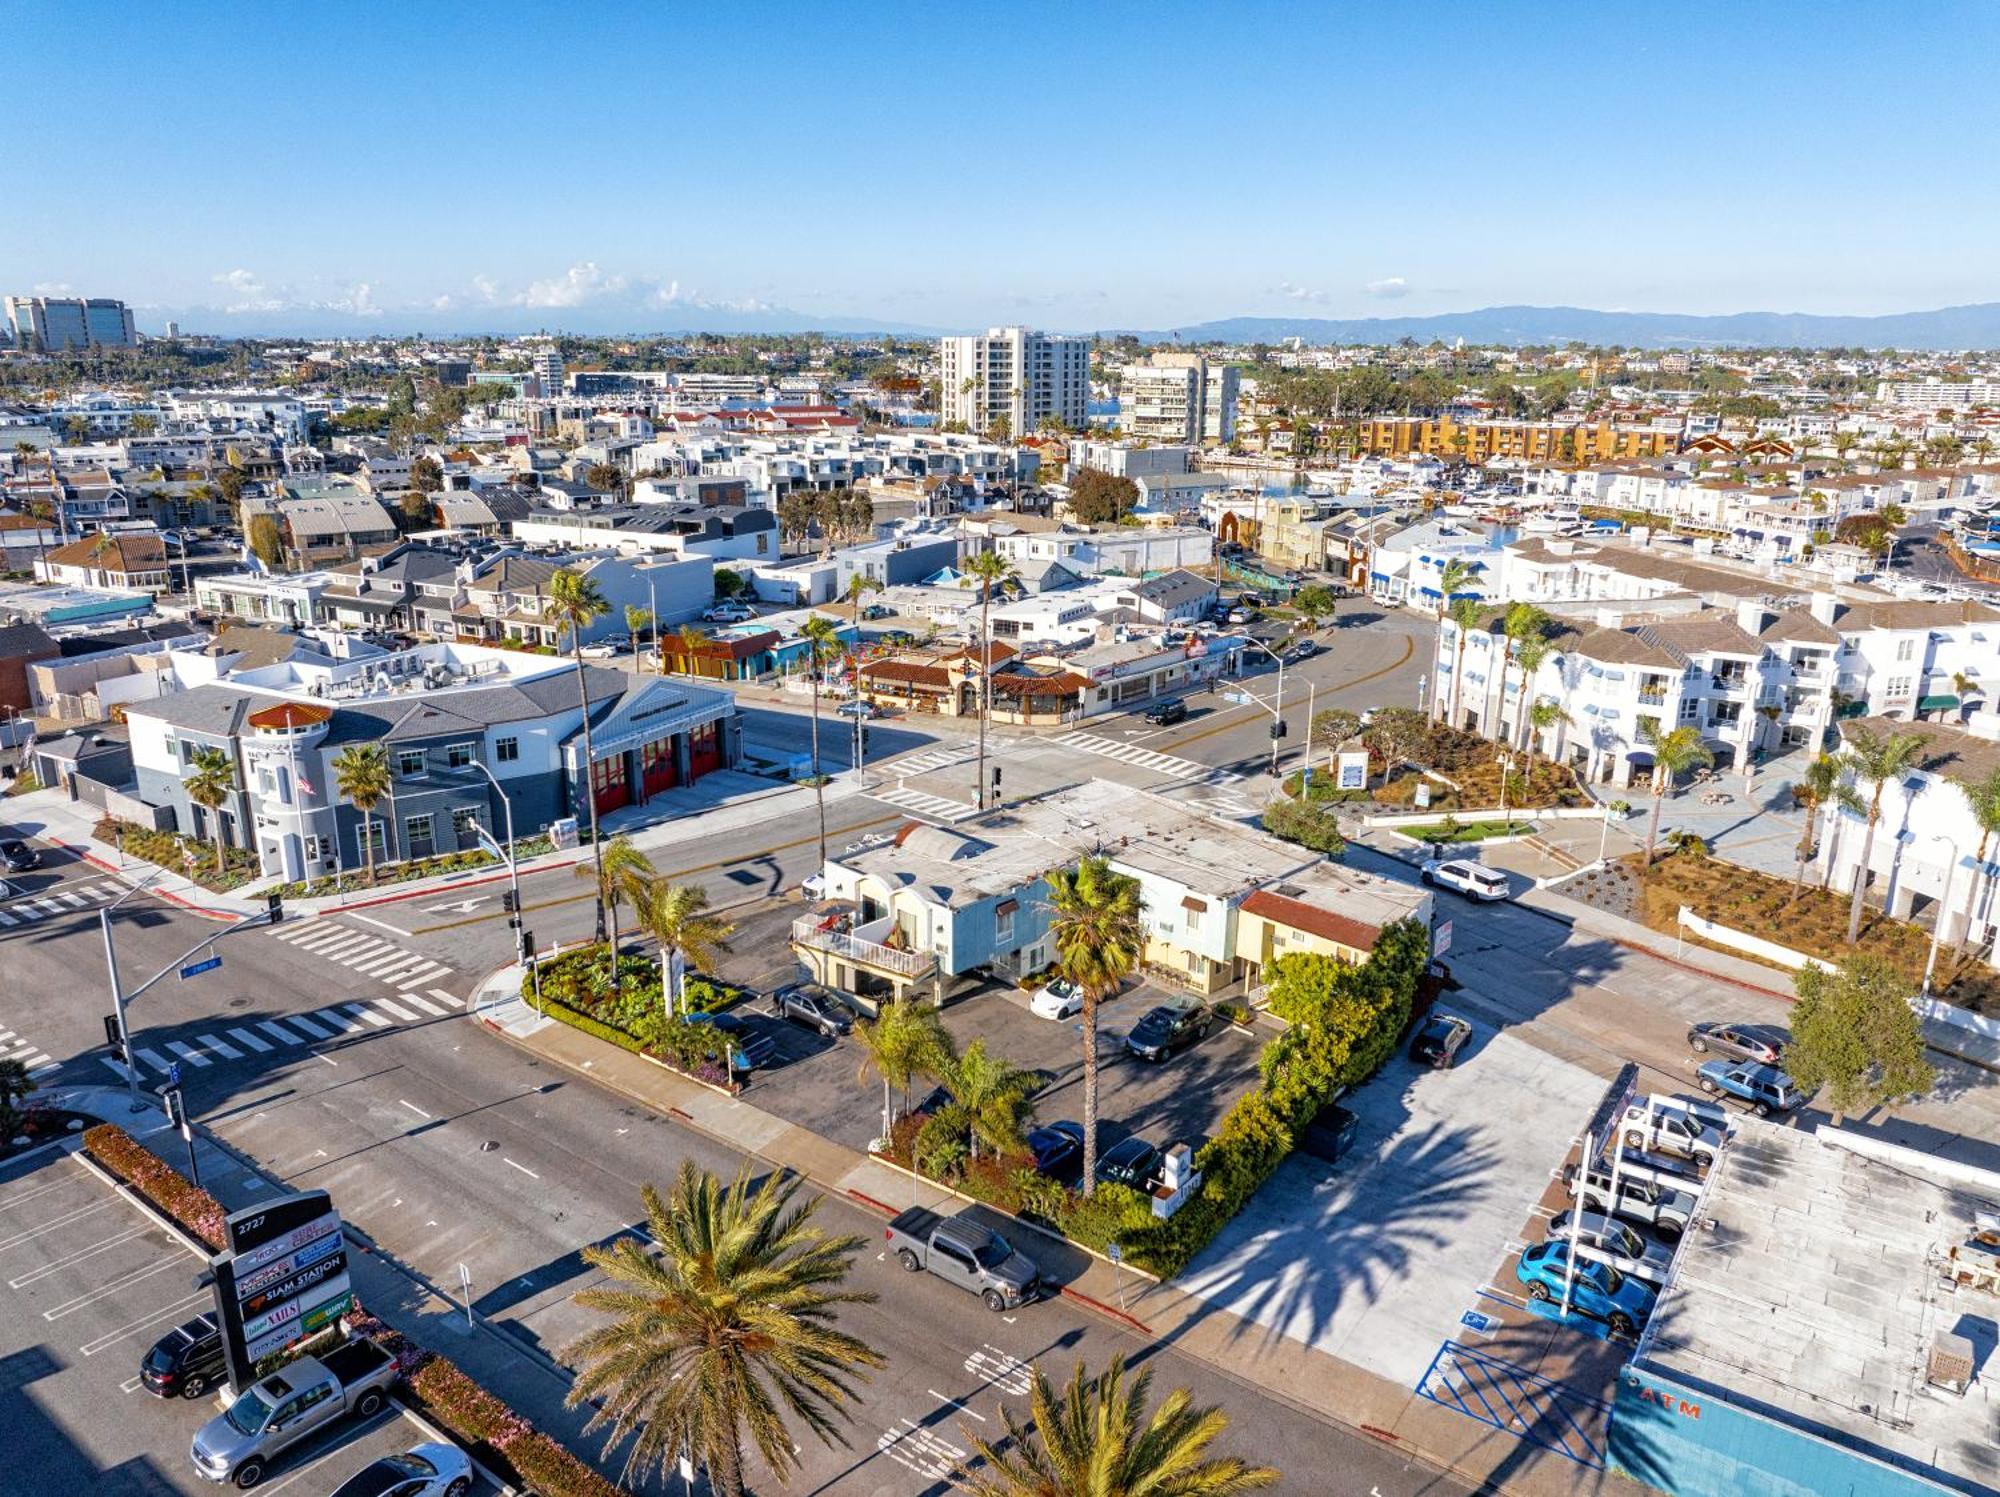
(1465, 818)
(1757, 946)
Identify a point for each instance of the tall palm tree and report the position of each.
(210, 783)
(1455, 575)
(624, 876)
(1531, 654)
(1983, 796)
(1095, 1440)
(994, 1093)
(1526, 627)
(691, 639)
(1098, 944)
(822, 645)
(859, 587)
(637, 622)
(986, 569)
(1675, 754)
(1465, 614)
(726, 1330)
(904, 1040)
(1876, 758)
(1823, 788)
(575, 603)
(361, 775)
(676, 915)
(1543, 717)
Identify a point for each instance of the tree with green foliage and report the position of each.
(1673, 756)
(1982, 797)
(1465, 614)
(1097, 498)
(1875, 759)
(1527, 629)
(267, 541)
(1305, 823)
(1096, 1440)
(16, 1086)
(729, 584)
(624, 876)
(1855, 1035)
(823, 647)
(427, 475)
(573, 604)
(1452, 580)
(677, 917)
(1398, 734)
(1819, 792)
(985, 570)
(1099, 943)
(1315, 600)
(905, 1039)
(994, 1094)
(721, 1327)
(1331, 727)
(361, 777)
(210, 782)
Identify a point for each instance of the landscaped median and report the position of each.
(576, 988)
(494, 1435)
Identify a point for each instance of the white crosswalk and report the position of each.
(59, 902)
(936, 807)
(1170, 765)
(944, 756)
(29, 1054)
(385, 961)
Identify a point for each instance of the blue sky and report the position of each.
(434, 164)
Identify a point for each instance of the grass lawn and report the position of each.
(1466, 831)
(1815, 923)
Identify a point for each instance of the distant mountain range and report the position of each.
(511, 321)
(1969, 327)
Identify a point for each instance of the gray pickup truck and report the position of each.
(276, 1413)
(966, 1253)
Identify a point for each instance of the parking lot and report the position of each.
(90, 1284)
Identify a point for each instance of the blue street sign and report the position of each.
(1114, 1252)
(195, 969)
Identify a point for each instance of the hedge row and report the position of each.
(196, 1211)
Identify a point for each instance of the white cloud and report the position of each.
(54, 288)
(1301, 293)
(1388, 289)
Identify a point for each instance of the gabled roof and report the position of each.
(113, 553)
(1312, 919)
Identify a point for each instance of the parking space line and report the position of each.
(55, 1265)
(55, 1224)
(176, 1259)
(522, 1168)
(38, 1191)
(152, 1317)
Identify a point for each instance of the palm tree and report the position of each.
(1526, 627)
(1822, 788)
(1543, 717)
(822, 645)
(994, 1093)
(1878, 759)
(16, 1086)
(859, 586)
(1675, 754)
(1095, 1440)
(210, 783)
(987, 569)
(691, 640)
(722, 1332)
(902, 1041)
(676, 915)
(624, 876)
(1455, 575)
(1465, 614)
(637, 622)
(361, 774)
(1098, 944)
(1983, 796)
(574, 603)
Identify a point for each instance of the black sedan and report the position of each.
(1058, 1150)
(815, 1008)
(1437, 1044)
(1132, 1162)
(1170, 1027)
(18, 856)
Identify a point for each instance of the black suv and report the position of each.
(802, 1003)
(1170, 1027)
(1164, 714)
(186, 1362)
(18, 856)
(1132, 1162)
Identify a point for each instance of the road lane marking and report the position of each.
(401, 1015)
(947, 1398)
(443, 997)
(310, 1029)
(522, 1168)
(156, 1060)
(414, 1001)
(429, 972)
(413, 1108)
(245, 1037)
(371, 1019)
(227, 1052)
(278, 1032)
(394, 930)
(339, 1022)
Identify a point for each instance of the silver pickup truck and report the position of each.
(276, 1413)
(963, 1252)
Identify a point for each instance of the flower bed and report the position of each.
(177, 854)
(197, 1212)
(1453, 830)
(576, 988)
(408, 872)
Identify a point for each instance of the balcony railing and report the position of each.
(822, 933)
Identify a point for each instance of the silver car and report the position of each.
(1630, 1253)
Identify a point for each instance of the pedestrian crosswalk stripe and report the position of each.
(72, 898)
(367, 1016)
(7, 919)
(245, 1037)
(227, 1052)
(42, 1065)
(188, 1053)
(923, 804)
(397, 961)
(154, 1059)
(281, 1034)
(117, 1070)
(403, 1015)
(340, 1022)
(299, 930)
(443, 997)
(428, 972)
(12, 1051)
(423, 1003)
(53, 906)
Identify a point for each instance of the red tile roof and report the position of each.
(1313, 920)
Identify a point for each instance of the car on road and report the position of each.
(1331, 1134)
(814, 1007)
(1170, 1026)
(1058, 1150)
(427, 1470)
(1473, 880)
(747, 1048)
(17, 856)
(1764, 1089)
(608, 647)
(1437, 1044)
(186, 1362)
(862, 710)
(1132, 1162)
(1242, 615)
(813, 886)
(275, 1413)
(729, 613)
(1634, 1254)
(1598, 1290)
(966, 1252)
(1762, 1043)
(1166, 714)
(1059, 999)
(10, 890)
(1305, 649)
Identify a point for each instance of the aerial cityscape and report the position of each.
(694, 802)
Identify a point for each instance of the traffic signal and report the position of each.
(1278, 728)
(176, 1106)
(114, 1039)
(510, 902)
(996, 779)
(527, 945)
(275, 903)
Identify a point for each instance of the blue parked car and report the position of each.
(1599, 1290)
(749, 1048)
(1766, 1088)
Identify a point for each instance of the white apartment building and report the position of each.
(547, 367)
(1178, 397)
(1124, 551)
(1937, 394)
(1016, 375)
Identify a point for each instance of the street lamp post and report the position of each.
(1277, 712)
(1943, 909)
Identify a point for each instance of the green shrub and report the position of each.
(1305, 824)
(198, 1213)
(940, 1149)
(1113, 1213)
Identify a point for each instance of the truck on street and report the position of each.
(274, 1414)
(967, 1253)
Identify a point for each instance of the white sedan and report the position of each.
(429, 1470)
(1473, 880)
(1061, 999)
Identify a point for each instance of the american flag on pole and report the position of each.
(305, 784)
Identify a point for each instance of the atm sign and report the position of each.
(1679, 1407)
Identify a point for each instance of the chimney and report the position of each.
(1750, 617)
(1949, 1367)
(1823, 606)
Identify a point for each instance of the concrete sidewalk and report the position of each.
(1311, 1381)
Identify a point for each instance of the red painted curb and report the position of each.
(464, 883)
(1381, 1434)
(685, 1117)
(112, 868)
(1103, 1309)
(870, 1201)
